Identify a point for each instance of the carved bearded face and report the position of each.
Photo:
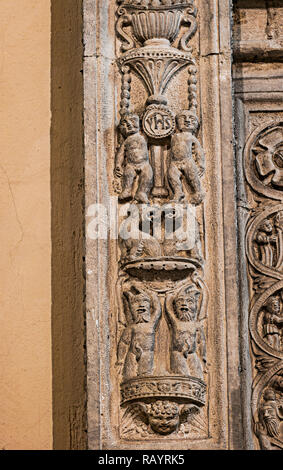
(186, 306)
(187, 122)
(130, 124)
(140, 307)
(164, 417)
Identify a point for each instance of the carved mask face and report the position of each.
(164, 424)
(186, 307)
(273, 305)
(163, 417)
(187, 122)
(141, 310)
(130, 125)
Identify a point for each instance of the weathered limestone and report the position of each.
(258, 74)
(158, 134)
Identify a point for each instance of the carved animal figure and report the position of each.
(136, 346)
(135, 243)
(187, 159)
(132, 161)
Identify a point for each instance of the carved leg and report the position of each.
(145, 364)
(128, 181)
(145, 184)
(178, 364)
(174, 179)
(195, 366)
(192, 177)
(130, 366)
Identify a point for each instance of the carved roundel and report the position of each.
(267, 407)
(266, 320)
(158, 121)
(264, 242)
(263, 162)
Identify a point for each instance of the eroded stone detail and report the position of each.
(264, 248)
(158, 169)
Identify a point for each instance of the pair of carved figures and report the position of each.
(187, 160)
(137, 342)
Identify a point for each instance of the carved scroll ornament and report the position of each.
(161, 291)
(263, 164)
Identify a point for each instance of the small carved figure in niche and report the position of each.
(138, 243)
(162, 417)
(188, 342)
(187, 159)
(273, 322)
(266, 242)
(270, 415)
(132, 161)
(136, 345)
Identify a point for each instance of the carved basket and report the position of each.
(156, 19)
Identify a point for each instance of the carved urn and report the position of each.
(156, 22)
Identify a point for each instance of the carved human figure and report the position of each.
(273, 322)
(136, 346)
(188, 344)
(266, 241)
(187, 159)
(270, 415)
(132, 161)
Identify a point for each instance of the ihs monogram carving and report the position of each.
(158, 168)
(263, 164)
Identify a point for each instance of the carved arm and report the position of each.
(123, 345)
(119, 161)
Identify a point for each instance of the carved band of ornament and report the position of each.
(265, 230)
(183, 266)
(263, 160)
(190, 389)
(125, 90)
(157, 5)
(263, 167)
(154, 53)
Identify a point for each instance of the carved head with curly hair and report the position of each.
(163, 416)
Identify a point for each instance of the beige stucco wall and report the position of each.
(25, 241)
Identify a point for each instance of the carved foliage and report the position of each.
(263, 164)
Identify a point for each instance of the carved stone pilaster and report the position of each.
(161, 265)
(263, 165)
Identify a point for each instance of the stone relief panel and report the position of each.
(262, 168)
(161, 357)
